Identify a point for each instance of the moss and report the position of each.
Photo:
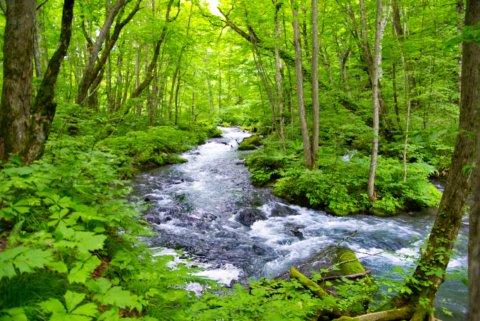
(348, 262)
(250, 143)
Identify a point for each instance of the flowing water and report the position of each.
(196, 208)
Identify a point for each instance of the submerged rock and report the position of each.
(248, 216)
(280, 210)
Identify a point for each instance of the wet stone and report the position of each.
(248, 216)
(280, 210)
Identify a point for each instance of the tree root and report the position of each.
(350, 276)
(309, 284)
(390, 315)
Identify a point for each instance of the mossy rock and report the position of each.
(340, 261)
(347, 262)
(250, 143)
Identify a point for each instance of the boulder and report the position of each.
(280, 210)
(248, 216)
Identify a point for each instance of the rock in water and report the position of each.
(248, 216)
(280, 210)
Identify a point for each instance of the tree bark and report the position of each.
(17, 76)
(377, 57)
(307, 152)
(471, 80)
(24, 128)
(279, 73)
(315, 99)
(44, 108)
(474, 244)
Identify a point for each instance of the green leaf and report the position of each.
(120, 298)
(73, 299)
(34, 258)
(24, 258)
(100, 285)
(53, 306)
(59, 267)
(63, 232)
(88, 241)
(7, 270)
(81, 271)
(15, 314)
(89, 309)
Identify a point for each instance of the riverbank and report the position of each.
(338, 184)
(69, 239)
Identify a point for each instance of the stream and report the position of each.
(196, 207)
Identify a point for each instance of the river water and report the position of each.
(196, 206)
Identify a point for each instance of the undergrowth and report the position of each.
(69, 246)
(339, 184)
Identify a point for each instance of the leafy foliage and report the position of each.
(339, 186)
(81, 238)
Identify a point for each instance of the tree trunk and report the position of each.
(37, 53)
(177, 90)
(279, 73)
(474, 242)
(430, 271)
(377, 57)
(315, 100)
(471, 96)
(17, 77)
(24, 128)
(88, 75)
(44, 108)
(307, 152)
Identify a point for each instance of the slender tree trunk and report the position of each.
(377, 56)
(88, 72)
(407, 118)
(219, 86)
(210, 94)
(315, 99)
(304, 35)
(176, 99)
(279, 74)
(361, 35)
(307, 152)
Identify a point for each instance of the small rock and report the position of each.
(248, 216)
(282, 211)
